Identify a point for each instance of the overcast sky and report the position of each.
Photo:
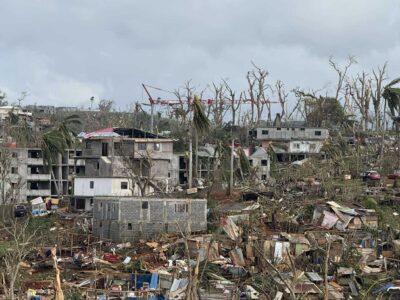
(64, 52)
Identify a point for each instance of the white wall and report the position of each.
(102, 187)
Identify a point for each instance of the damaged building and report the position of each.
(131, 218)
(208, 157)
(31, 178)
(290, 141)
(119, 160)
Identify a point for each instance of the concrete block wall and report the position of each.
(135, 219)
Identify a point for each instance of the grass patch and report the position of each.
(388, 218)
(43, 223)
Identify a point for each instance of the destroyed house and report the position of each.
(290, 140)
(131, 218)
(108, 152)
(334, 215)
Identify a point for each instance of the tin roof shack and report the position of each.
(301, 285)
(131, 218)
(298, 243)
(346, 278)
(335, 216)
(318, 242)
(278, 247)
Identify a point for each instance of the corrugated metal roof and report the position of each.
(314, 277)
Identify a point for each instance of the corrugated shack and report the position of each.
(335, 216)
(279, 247)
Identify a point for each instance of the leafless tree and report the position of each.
(235, 103)
(218, 107)
(138, 171)
(185, 96)
(21, 239)
(282, 97)
(341, 73)
(360, 91)
(376, 94)
(257, 85)
(304, 101)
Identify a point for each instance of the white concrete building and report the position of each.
(86, 188)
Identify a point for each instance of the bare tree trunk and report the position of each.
(57, 281)
(231, 172)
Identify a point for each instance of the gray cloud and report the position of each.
(64, 52)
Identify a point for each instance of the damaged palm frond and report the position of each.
(392, 96)
(58, 139)
(200, 120)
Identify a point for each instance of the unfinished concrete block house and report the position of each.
(123, 219)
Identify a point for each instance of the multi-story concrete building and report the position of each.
(32, 179)
(291, 140)
(123, 219)
(124, 161)
(87, 188)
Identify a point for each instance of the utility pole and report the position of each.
(152, 117)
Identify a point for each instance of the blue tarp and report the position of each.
(383, 289)
(140, 279)
(154, 281)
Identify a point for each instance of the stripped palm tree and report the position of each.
(55, 142)
(392, 97)
(392, 100)
(200, 125)
(200, 122)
